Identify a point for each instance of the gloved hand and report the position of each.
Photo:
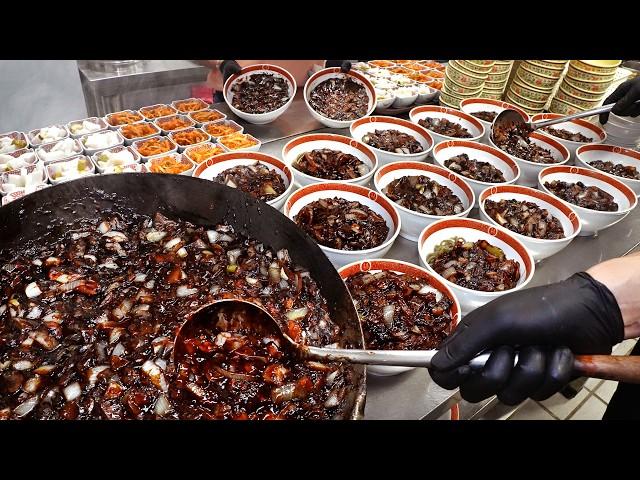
(345, 65)
(546, 324)
(228, 68)
(624, 97)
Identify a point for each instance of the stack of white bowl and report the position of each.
(623, 131)
(496, 82)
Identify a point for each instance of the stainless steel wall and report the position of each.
(37, 93)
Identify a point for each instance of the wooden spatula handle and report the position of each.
(621, 368)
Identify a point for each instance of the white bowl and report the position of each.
(70, 163)
(589, 152)
(118, 148)
(471, 123)
(529, 170)
(230, 123)
(203, 105)
(143, 110)
(362, 126)
(119, 140)
(335, 72)
(404, 101)
(107, 118)
(385, 102)
(305, 143)
(592, 220)
(540, 248)
(37, 142)
(135, 145)
(97, 120)
(252, 148)
(129, 141)
(414, 222)
(160, 120)
(260, 118)
(483, 153)
(178, 156)
(182, 148)
(200, 124)
(350, 192)
(397, 266)
(45, 149)
(474, 230)
(588, 129)
(472, 105)
(211, 167)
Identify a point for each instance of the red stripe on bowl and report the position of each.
(583, 123)
(330, 137)
(345, 187)
(497, 103)
(532, 192)
(450, 111)
(608, 148)
(395, 121)
(403, 267)
(427, 167)
(617, 184)
(479, 146)
(484, 228)
(257, 156)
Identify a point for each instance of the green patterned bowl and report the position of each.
(456, 89)
(593, 87)
(535, 80)
(509, 97)
(579, 74)
(496, 85)
(461, 95)
(490, 94)
(523, 101)
(558, 106)
(501, 68)
(470, 69)
(548, 65)
(538, 70)
(601, 67)
(529, 93)
(449, 101)
(578, 102)
(498, 77)
(579, 93)
(478, 66)
(463, 78)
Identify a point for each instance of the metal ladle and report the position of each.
(621, 368)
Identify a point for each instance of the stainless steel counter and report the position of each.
(413, 395)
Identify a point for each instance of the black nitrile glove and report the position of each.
(546, 324)
(345, 65)
(228, 68)
(625, 98)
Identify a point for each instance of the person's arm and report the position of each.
(588, 313)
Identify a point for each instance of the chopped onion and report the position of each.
(90, 257)
(213, 236)
(110, 264)
(54, 317)
(332, 401)
(141, 277)
(46, 340)
(161, 363)
(150, 284)
(226, 238)
(283, 255)
(116, 236)
(387, 314)
(72, 391)
(332, 377)
(104, 227)
(44, 369)
(118, 350)
(283, 393)
(233, 255)
(92, 373)
(25, 407)
(155, 374)
(251, 280)
(283, 274)
(162, 406)
(234, 376)
(154, 236)
(183, 291)
(121, 310)
(424, 290)
(21, 365)
(34, 313)
(32, 385)
(172, 243)
(182, 252)
(159, 343)
(37, 262)
(297, 313)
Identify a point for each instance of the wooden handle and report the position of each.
(621, 368)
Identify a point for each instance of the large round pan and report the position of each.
(44, 215)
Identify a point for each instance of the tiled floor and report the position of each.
(589, 404)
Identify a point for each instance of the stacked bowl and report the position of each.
(584, 85)
(497, 79)
(464, 79)
(623, 131)
(533, 84)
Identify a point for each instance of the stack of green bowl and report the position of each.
(584, 85)
(497, 79)
(464, 79)
(533, 84)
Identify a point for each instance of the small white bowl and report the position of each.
(471, 123)
(108, 118)
(70, 163)
(129, 141)
(45, 149)
(588, 129)
(529, 170)
(473, 230)
(386, 101)
(404, 100)
(97, 120)
(359, 128)
(160, 120)
(210, 168)
(176, 104)
(350, 192)
(306, 143)
(252, 148)
(137, 144)
(37, 142)
(182, 148)
(238, 128)
(199, 123)
(119, 140)
(260, 118)
(335, 72)
(22, 179)
(30, 159)
(397, 266)
(178, 156)
(540, 248)
(116, 149)
(592, 220)
(472, 105)
(483, 153)
(144, 110)
(610, 153)
(414, 222)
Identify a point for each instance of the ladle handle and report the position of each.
(586, 113)
(609, 367)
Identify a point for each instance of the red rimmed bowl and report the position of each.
(538, 247)
(610, 153)
(365, 125)
(260, 118)
(397, 266)
(483, 153)
(472, 105)
(335, 72)
(471, 123)
(350, 192)
(588, 129)
(473, 230)
(529, 170)
(413, 222)
(211, 167)
(306, 143)
(592, 220)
